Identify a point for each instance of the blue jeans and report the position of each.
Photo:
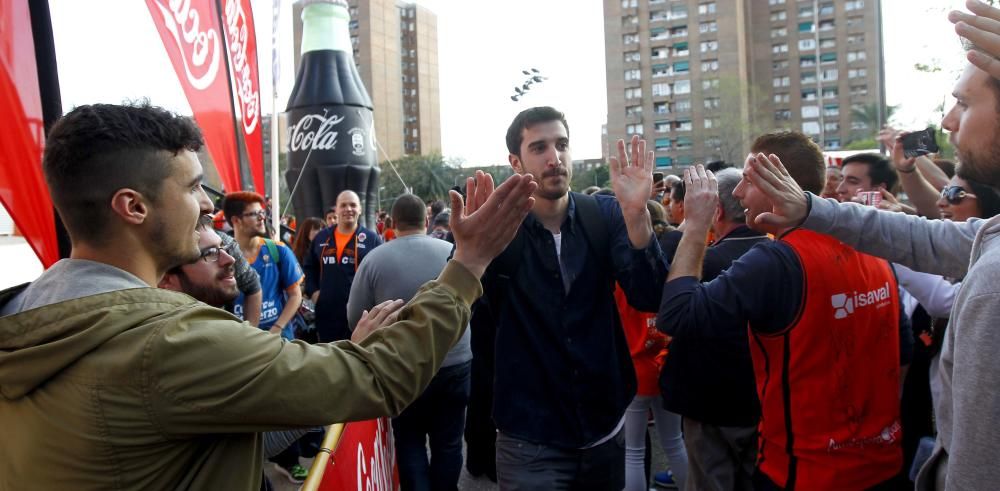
(438, 414)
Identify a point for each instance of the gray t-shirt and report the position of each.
(69, 279)
(396, 270)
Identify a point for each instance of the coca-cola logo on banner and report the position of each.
(314, 132)
(236, 23)
(376, 472)
(200, 50)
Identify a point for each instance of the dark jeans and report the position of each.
(523, 465)
(438, 414)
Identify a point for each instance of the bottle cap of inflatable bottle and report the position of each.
(325, 25)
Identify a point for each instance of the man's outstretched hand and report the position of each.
(632, 177)
(701, 198)
(788, 201)
(981, 28)
(488, 221)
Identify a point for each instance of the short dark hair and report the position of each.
(408, 212)
(880, 171)
(528, 118)
(677, 191)
(96, 150)
(989, 200)
(801, 157)
(436, 207)
(234, 204)
(717, 165)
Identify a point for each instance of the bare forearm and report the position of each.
(291, 307)
(251, 308)
(921, 193)
(690, 254)
(639, 226)
(933, 174)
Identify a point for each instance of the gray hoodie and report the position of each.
(968, 413)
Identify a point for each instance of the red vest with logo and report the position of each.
(829, 383)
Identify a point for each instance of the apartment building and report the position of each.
(699, 79)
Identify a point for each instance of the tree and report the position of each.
(742, 118)
(867, 115)
(598, 176)
(427, 176)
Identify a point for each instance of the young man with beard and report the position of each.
(330, 266)
(275, 263)
(564, 375)
(965, 450)
(112, 383)
(824, 323)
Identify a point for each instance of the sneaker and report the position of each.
(296, 473)
(665, 479)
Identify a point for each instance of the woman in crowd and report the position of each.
(304, 237)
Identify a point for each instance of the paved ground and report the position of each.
(465, 483)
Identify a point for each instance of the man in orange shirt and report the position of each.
(331, 263)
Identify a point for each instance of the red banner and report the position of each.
(364, 459)
(237, 22)
(190, 33)
(22, 135)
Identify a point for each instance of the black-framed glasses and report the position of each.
(211, 254)
(259, 214)
(955, 194)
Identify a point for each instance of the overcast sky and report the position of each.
(109, 51)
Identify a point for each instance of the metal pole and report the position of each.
(275, 76)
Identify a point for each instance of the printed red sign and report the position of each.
(237, 22)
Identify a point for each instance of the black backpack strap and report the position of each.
(501, 273)
(594, 227)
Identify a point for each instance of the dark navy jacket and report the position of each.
(564, 375)
(333, 276)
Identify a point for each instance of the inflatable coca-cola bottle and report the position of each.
(331, 134)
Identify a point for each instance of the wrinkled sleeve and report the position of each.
(934, 292)
(246, 276)
(361, 297)
(940, 247)
(203, 372)
(639, 272)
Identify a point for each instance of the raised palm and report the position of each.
(632, 175)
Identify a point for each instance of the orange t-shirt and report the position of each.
(342, 240)
(647, 345)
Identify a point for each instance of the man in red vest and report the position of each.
(823, 322)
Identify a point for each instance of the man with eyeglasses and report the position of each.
(211, 278)
(275, 263)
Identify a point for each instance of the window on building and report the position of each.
(779, 32)
(855, 56)
(661, 70)
(633, 129)
(630, 39)
(828, 58)
(711, 102)
(779, 65)
(681, 67)
(681, 49)
(661, 108)
(807, 44)
(831, 126)
(709, 83)
(682, 87)
(630, 20)
(806, 11)
(829, 92)
(658, 15)
(810, 111)
(855, 22)
(678, 12)
(684, 143)
(707, 46)
(859, 125)
(775, 2)
(630, 4)
(658, 33)
(661, 126)
(633, 110)
(827, 25)
(854, 5)
(781, 98)
(779, 48)
(810, 127)
(857, 72)
(782, 115)
(661, 89)
(782, 81)
(809, 94)
(856, 39)
(706, 8)
(808, 77)
(662, 144)
(684, 125)
(806, 26)
(685, 160)
(710, 26)
(664, 161)
(831, 110)
(859, 90)
(828, 75)
(827, 43)
(679, 32)
(632, 56)
(779, 15)
(713, 142)
(710, 66)
(633, 74)
(711, 123)
(832, 144)
(807, 61)
(826, 9)
(659, 53)
(633, 93)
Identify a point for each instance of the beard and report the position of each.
(981, 167)
(551, 192)
(173, 252)
(214, 295)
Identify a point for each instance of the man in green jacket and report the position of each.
(109, 382)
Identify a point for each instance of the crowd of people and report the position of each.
(781, 326)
